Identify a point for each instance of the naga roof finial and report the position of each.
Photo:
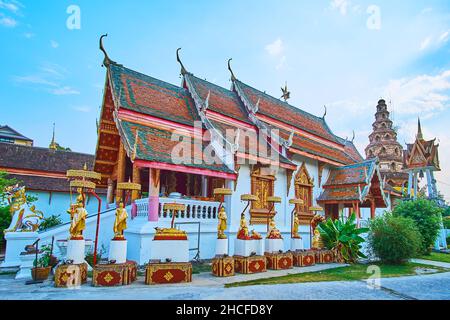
(106, 61)
(325, 113)
(231, 71)
(183, 69)
(353, 138)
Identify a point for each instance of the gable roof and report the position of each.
(8, 132)
(147, 95)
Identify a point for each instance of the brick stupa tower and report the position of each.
(384, 145)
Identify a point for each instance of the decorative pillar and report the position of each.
(136, 179)
(416, 185)
(372, 209)
(121, 163)
(153, 194)
(204, 186)
(410, 182)
(110, 192)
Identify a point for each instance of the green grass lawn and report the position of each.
(353, 272)
(436, 256)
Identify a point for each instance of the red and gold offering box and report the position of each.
(109, 275)
(170, 272)
(324, 256)
(279, 261)
(252, 264)
(304, 258)
(70, 275)
(131, 272)
(223, 266)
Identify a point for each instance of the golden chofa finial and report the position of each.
(233, 78)
(183, 69)
(106, 60)
(53, 145)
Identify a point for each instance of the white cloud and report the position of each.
(62, 91)
(11, 6)
(54, 44)
(7, 21)
(49, 78)
(444, 37)
(341, 5)
(84, 109)
(282, 63)
(426, 10)
(420, 95)
(275, 48)
(28, 35)
(425, 43)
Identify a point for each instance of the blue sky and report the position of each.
(331, 52)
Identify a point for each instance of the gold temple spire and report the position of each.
(419, 130)
(53, 144)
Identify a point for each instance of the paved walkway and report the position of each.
(204, 286)
(432, 263)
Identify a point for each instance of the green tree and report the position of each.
(427, 217)
(394, 239)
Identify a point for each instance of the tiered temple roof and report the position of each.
(360, 182)
(137, 105)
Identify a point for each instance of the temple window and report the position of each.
(303, 190)
(377, 138)
(262, 185)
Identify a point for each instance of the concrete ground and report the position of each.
(205, 286)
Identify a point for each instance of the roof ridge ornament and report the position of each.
(233, 78)
(325, 112)
(183, 69)
(353, 138)
(256, 107)
(206, 104)
(106, 60)
(286, 93)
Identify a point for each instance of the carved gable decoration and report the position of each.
(303, 178)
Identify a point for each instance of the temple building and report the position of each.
(145, 123)
(9, 135)
(383, 144)
(43, 172)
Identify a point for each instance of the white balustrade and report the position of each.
(195, 209)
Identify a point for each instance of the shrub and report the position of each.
(49, 222)
(427, 217)
(394, 239)
(446, 222)
(5, 219)
(343, 237)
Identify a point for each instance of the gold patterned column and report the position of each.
(121, 162)
(136, 179)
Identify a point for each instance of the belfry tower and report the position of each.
(384, 145)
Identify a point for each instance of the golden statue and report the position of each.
(274, 233)
(255, 235)
(120, 224)
(243, 229)
(78, 216)
(317, 241)
(295, 226)
(222, 226)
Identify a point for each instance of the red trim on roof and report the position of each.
(181, 168)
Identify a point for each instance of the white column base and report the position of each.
(221, 247)
(244, 248)
(25, 266)
(274, 245)
(118, 251)
(259, 247)
(15, 245)
(176, 250)
(75, 251)
(296, 244)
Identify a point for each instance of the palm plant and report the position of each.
(343, 237)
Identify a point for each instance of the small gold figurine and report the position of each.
(78, 216)
(295, 227)
(120, 224)
(255, 235)
(243, 229)
(222, 226)
(317, 241)
(274, 233)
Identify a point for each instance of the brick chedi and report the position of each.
(384, 145)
